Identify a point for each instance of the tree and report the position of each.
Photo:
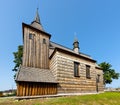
(18, 58)
(109, 73)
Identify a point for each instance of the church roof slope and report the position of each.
(37, 25)
(54, 46)
(30, 74)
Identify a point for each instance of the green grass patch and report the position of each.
(107, 98)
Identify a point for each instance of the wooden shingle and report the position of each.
(30, 74)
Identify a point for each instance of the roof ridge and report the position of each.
(70, 49)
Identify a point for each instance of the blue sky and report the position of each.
(95, 22)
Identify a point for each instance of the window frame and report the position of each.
(30, 36)
(44, 41)
(88, 71)
(76, 69)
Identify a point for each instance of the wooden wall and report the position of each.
(53, 66)
(33, 89)
(35, 52)
(100, 84)
(68, 83)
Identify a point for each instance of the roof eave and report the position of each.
(97, 67)
(16, 77)
(36, 81)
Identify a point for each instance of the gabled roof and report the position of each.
(55, 46)
(30, 74)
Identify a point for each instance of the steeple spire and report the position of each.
(36, 22)
(37, 17)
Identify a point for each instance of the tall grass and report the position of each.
(107, 98)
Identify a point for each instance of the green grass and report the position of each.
(107, 98)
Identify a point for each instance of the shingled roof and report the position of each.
(30, 74)
(54, 45)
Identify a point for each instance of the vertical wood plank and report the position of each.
(18, 89)
(20, 86)
(32, 89)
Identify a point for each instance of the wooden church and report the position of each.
(50, 68)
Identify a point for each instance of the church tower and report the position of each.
(36, 45)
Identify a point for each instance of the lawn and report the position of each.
(107, 98)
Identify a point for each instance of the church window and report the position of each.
(30, 36)
(44, 41)
(87, 71)
(76, 69)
